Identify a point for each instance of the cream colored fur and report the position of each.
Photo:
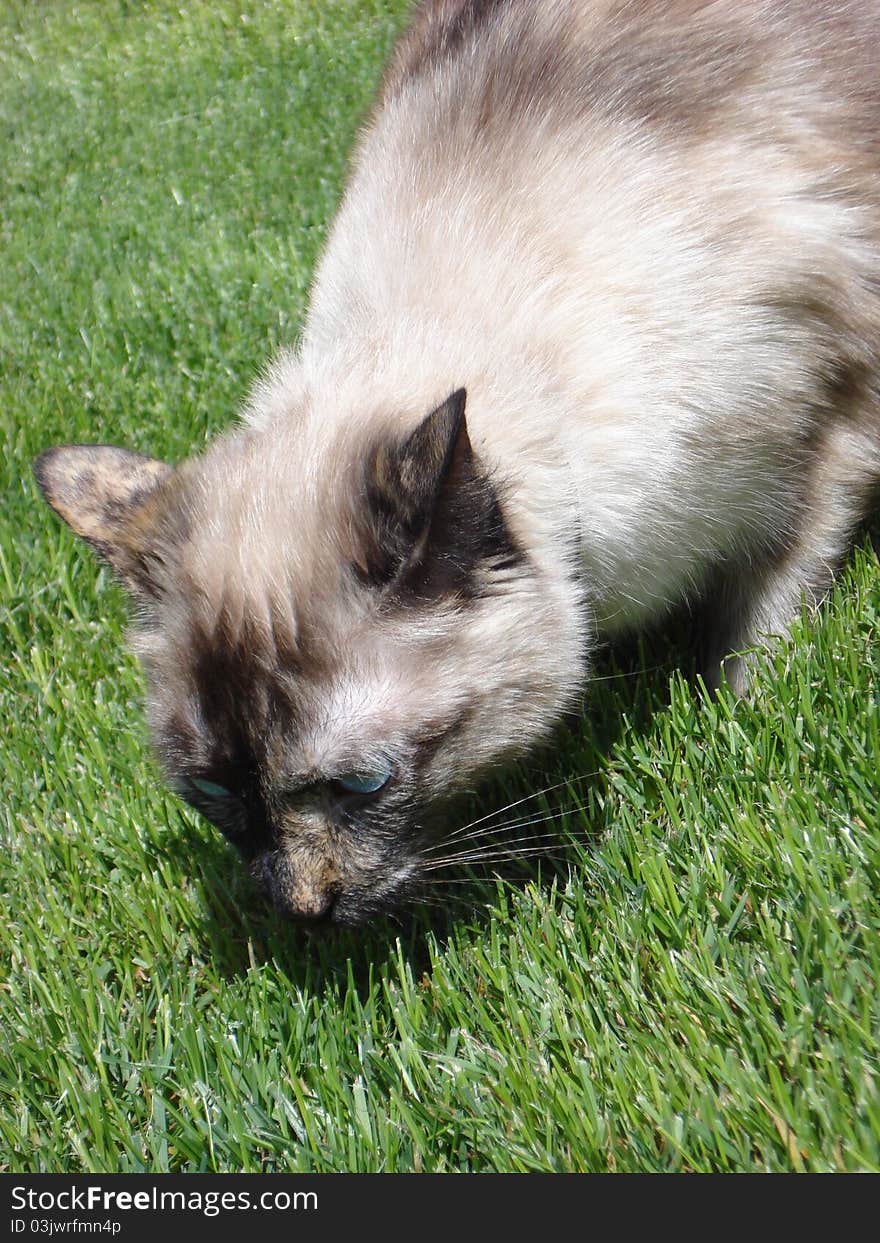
(645, 237)
(626, 306)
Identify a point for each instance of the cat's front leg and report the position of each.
(755, 601)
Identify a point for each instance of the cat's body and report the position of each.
(645, 239)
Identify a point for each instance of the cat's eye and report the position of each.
(211, 789)
(368, 782)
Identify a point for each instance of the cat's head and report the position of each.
(338, 631)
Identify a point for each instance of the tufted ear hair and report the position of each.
(433, 512)
(112, 499)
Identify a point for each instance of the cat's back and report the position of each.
(552, 163)
(680, 65)
(502, 117)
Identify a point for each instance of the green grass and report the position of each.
(693, 988)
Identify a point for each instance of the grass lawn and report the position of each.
(692, 986)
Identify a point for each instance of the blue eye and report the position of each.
(365, 782)
(210, 788)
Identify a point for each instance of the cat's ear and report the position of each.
(434, 512)
(111, 498)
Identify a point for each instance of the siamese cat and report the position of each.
(596, 331)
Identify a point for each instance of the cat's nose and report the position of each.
(301, 885)
(314, 908)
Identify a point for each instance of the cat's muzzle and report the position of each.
(302, 888)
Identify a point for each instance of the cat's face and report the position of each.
(336, 637)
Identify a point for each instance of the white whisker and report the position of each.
(527, 798)
(526, 853)
(499, 830)
(480, 854)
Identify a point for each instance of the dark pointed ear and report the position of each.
(110, 497)
(408, 476)
(434, 513)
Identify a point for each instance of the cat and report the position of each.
(596, 331)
